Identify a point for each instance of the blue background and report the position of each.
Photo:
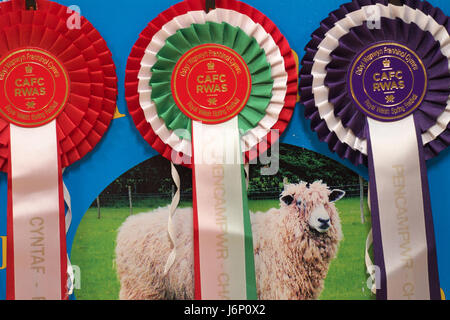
(120, 23)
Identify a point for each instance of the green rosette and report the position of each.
(211, 33)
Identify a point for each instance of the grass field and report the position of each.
(93, 252)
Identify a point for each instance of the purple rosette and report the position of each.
(375, 83)
(409, 34)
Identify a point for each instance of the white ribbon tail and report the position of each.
(70, 273)
(247, 175)
(400, 208)
(36, 211)
(369, 264)
(170, 226)
(225, 266)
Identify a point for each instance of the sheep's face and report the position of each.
(319, 219)
(312, 203)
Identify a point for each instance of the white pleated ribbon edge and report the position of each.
(170, 225)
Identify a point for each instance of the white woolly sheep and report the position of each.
(293, 248)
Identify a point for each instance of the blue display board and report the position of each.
(122, 148)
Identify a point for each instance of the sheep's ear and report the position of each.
(336, 195)
(287, 199)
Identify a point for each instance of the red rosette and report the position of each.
(138, 51)
(88, 62)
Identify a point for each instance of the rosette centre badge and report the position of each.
(211, 83)
(388, 81)
(35, 86)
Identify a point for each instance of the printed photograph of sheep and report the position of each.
(121, 245)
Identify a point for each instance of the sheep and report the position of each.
(295, 244)
(142, 249)
(293, 248)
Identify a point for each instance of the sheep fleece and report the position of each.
(291, 261)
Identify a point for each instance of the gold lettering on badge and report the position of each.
(403, 231)
(212, 83)
(388, 81)
(29, 87)
(223, 280)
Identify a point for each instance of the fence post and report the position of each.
(99, 216)
(131, 200)
(361, 196)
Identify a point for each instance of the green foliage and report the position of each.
(296, 164)
(151, 176)
(299, 164)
